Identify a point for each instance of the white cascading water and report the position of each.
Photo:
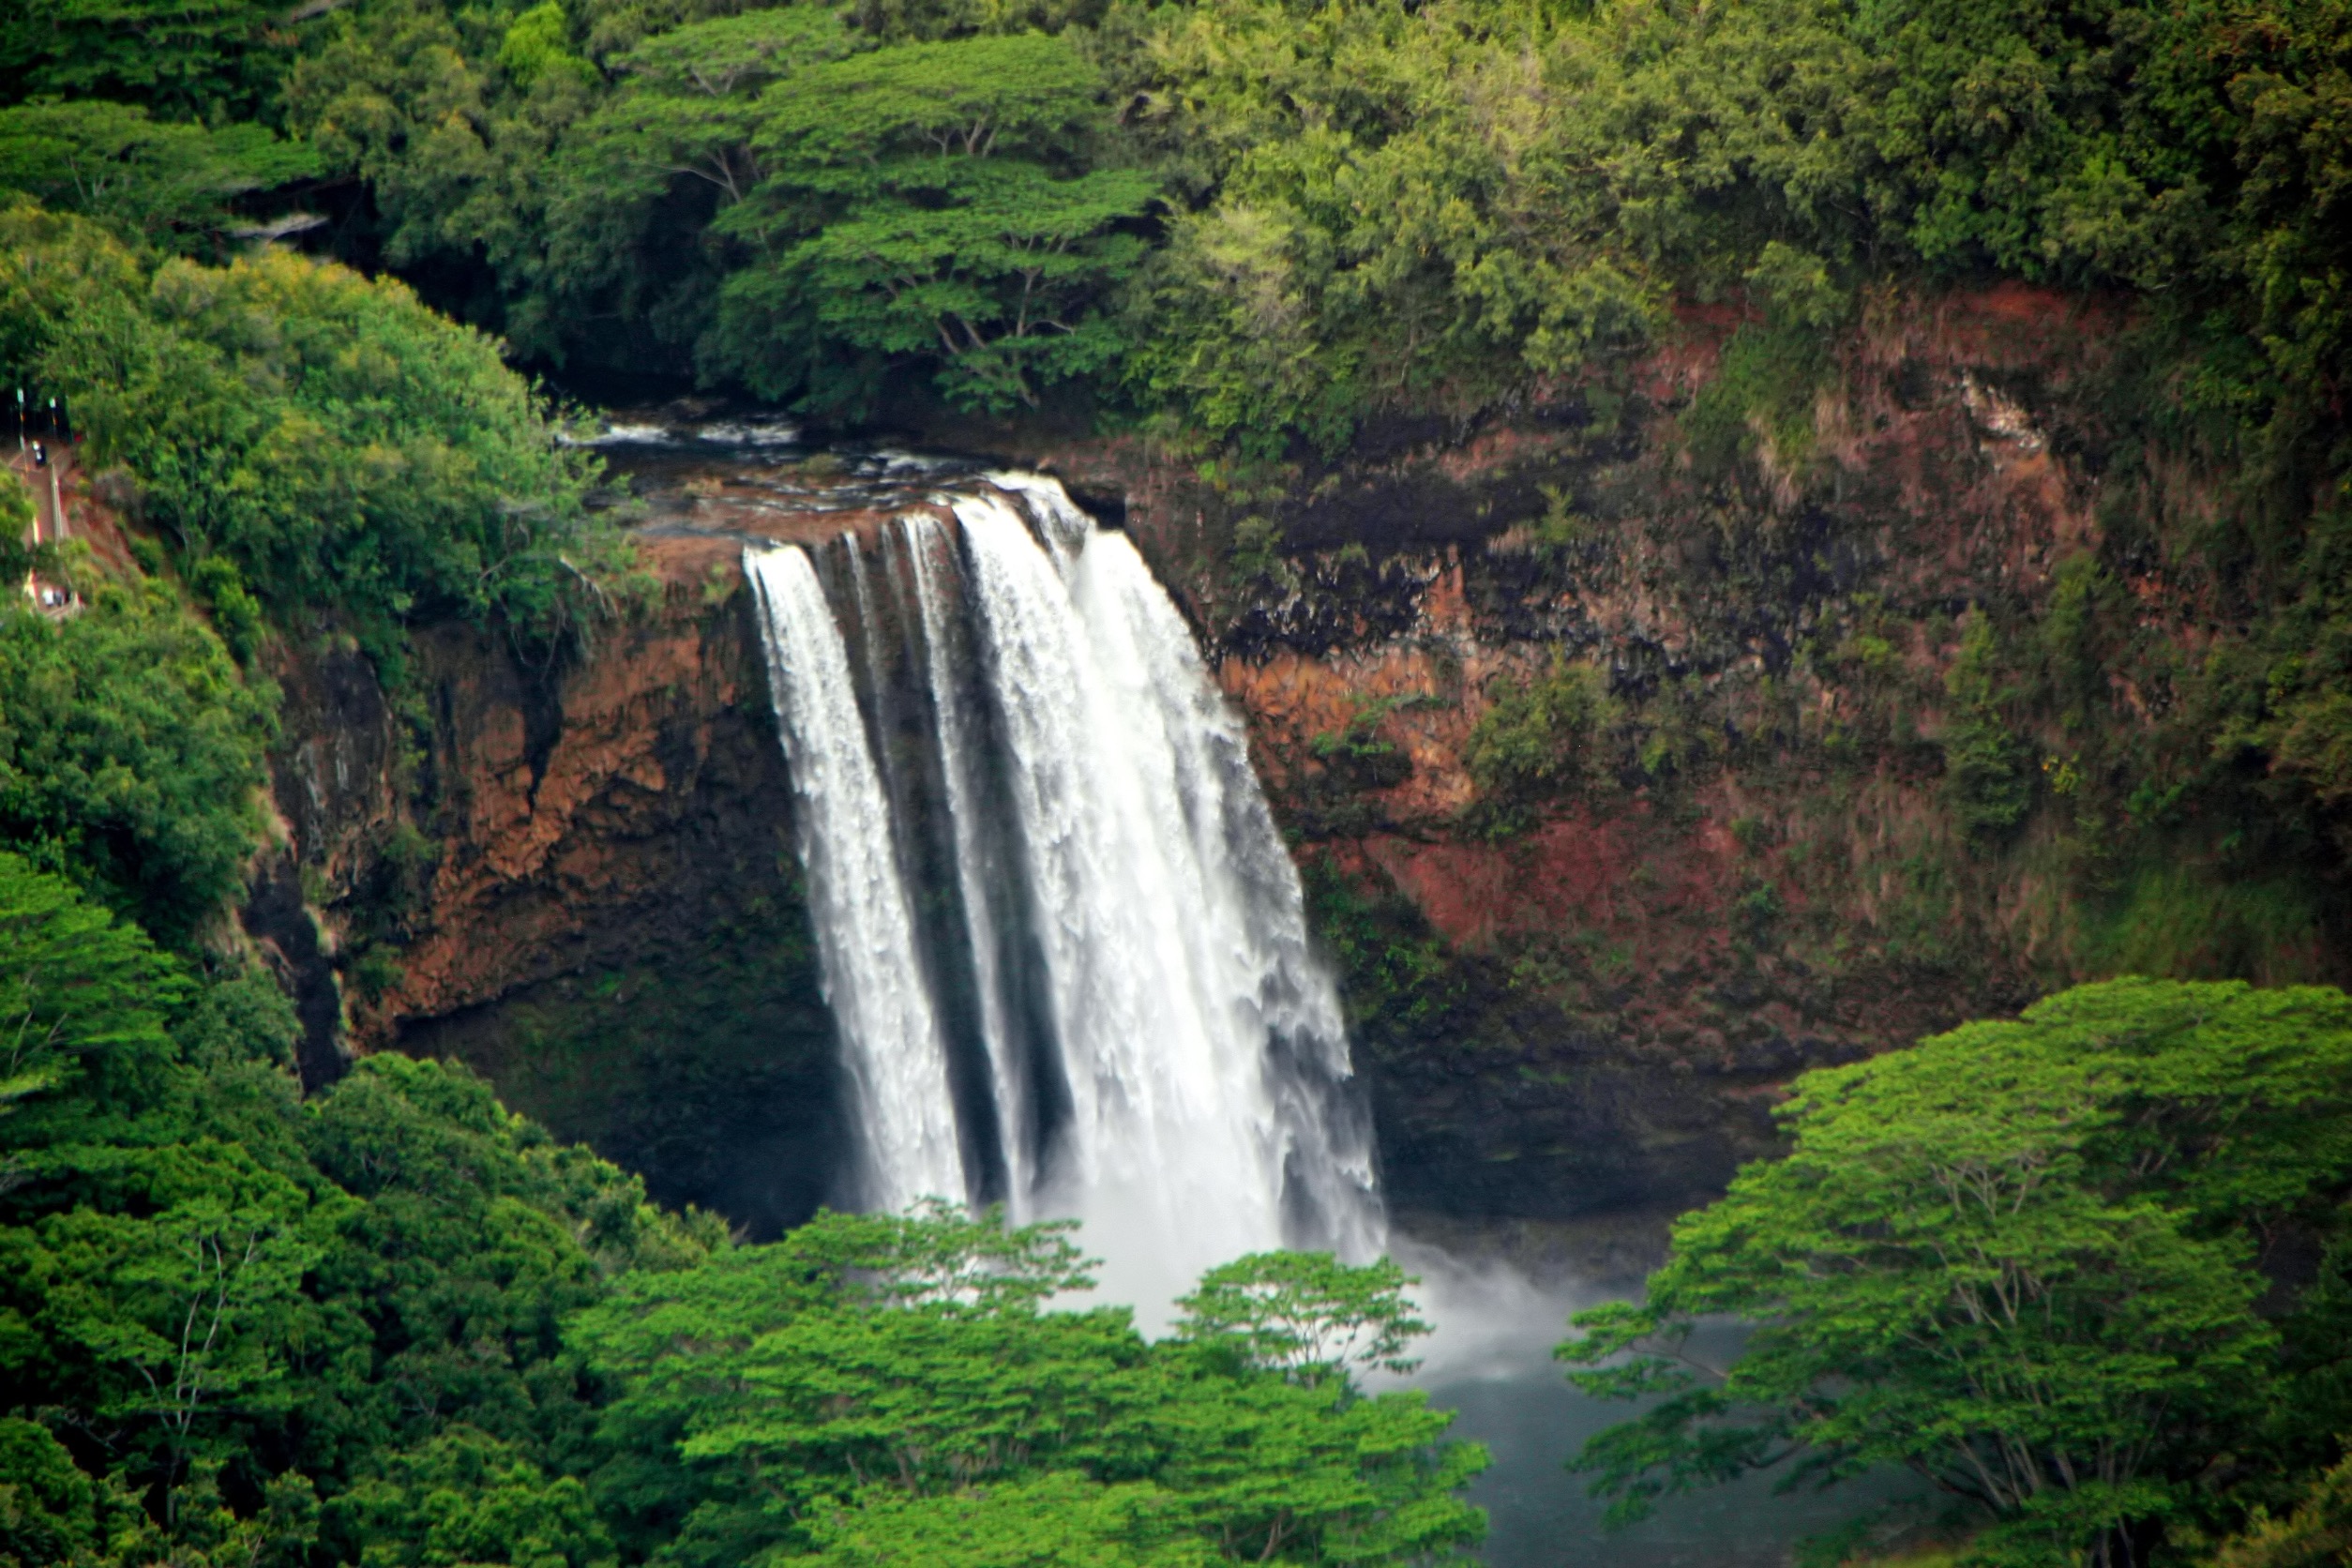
(891, 1045)
(930, 557)
(1176, 1076)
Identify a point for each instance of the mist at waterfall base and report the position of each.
(1490, 1360)
(1066, 952)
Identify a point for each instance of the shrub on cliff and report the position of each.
(2024, 1259)
(341, 444)
(1541, 738)
(1988, 772)
(132, 754)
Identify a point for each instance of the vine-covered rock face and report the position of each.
(1782, 702)
(1776, 704)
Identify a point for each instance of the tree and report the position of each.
(1271, 1469)
(873, 1387)
(168, 185)
(188, 1313)
(690, 103)
(2020, 1258)
(638, 182)
(153, 1283)
(929, 200)
(83, 1001)
(472, 1235)
(1305, 1315)
(856, 1347)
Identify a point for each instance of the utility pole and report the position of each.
(20, 421)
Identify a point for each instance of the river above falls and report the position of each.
(750, 477)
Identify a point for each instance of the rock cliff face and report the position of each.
(1636, 750)
(581, 881)
(1715, 724)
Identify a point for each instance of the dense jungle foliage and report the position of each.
(2086, 1271)
(311, 440)
(1253, 228)
(1259, 220)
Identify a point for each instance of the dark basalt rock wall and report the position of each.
(1748, 854)
(1585, 996)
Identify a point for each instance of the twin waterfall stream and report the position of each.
(1062, 938)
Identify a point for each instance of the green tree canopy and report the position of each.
(1303, 1314)
(639, 180)
(870, 1387)
(2020, 1258)
(162, 183)
(465, 1497)
(931, 200)
(1059, 1520)
(83, 997)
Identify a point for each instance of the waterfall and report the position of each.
(891, 1045)
(1106, 1009)
(985, 876)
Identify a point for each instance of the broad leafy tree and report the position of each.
(166, 183)
(932, 201)
(1305, 1315)
(871, 1387)
(2023, 1260)
(640, 180)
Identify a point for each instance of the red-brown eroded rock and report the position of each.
(1584, 1000)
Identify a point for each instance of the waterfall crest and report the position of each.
(1055, 910)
